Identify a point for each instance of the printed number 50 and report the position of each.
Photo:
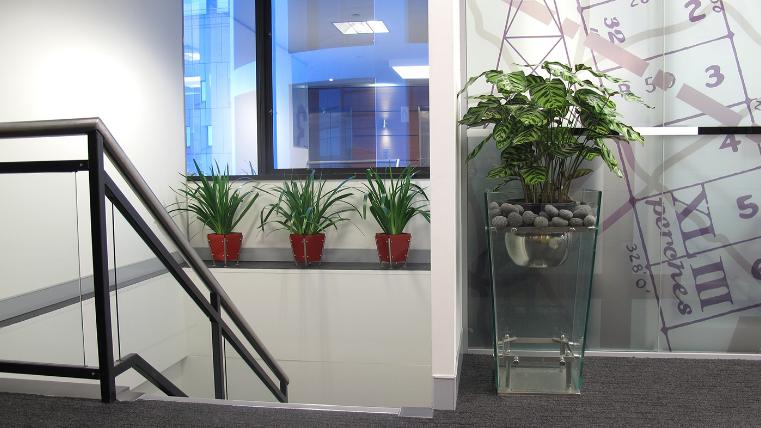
(747, 209)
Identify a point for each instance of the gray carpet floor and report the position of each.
(619, 392)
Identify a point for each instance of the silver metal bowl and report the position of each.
(537, 250)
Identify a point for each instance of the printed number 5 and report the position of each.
(747, 209)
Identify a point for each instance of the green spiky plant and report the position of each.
(393, 205)
(306, 207)
(536, 122)
(213, 200)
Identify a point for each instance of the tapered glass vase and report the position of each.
(542, 280)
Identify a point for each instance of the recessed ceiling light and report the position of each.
(193, 81)
(408, 72)
(361, 27)
(377, 26)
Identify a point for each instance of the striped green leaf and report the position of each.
(534, 174)
(550, 94)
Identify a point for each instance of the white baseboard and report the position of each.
(445, 387)
(684, 355)
(653, 354)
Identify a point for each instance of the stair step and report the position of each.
(55, 388)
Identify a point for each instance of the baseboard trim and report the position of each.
(445, 387)
(652, 354)
(682, 355)
(272, 405)
(444, 392)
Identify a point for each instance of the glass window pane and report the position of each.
(220, 84)
(350, 83)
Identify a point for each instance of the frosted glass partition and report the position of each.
(154, 317)
(690, 235)
(696, 63)
(42, 285)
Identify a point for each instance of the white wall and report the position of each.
(117, 60)
(446, 264)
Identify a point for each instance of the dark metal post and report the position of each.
(217, 351)
(100, 266)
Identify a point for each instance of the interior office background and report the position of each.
(143, 90)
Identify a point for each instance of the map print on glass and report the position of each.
(680, 265)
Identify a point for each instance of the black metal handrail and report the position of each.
(137, 363)
(100, 143)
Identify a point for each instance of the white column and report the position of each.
(445, 54)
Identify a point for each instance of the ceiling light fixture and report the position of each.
(377, 26)
(361, 27)
(410, 72)
(192, 81)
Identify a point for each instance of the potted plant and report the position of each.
(545, 128)
(541, 248)
(306, 209)
(219, 206)
(393, 206)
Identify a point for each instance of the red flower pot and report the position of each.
(393, 249)
(307, 248)
(225, 247)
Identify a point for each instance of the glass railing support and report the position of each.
(129, 213)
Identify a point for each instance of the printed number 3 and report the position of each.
(714, 72)
(747, 209)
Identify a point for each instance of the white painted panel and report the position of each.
(343, 337)
(327, 315)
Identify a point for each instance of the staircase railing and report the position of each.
(101, 144)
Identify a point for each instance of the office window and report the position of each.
(344, 84)
(220, 84)
(350, 83)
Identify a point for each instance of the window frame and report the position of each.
(266, 120)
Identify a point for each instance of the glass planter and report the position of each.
(541, 280)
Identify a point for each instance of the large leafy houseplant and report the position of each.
(219, 205)
(306, 208)
(545, 128)
(393, 203)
